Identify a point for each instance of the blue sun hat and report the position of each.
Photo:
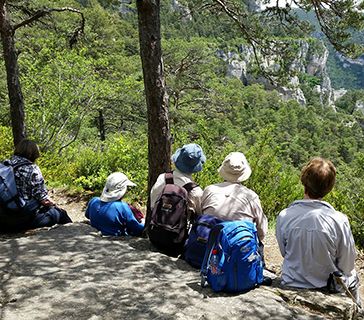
(189, 158)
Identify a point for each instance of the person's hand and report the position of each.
(47, 203)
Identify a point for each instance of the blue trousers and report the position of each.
(49, 216)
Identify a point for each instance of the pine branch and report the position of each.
(48, 11)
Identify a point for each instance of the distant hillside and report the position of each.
(343, 72)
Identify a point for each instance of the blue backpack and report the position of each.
(195, 246)
(9, 196)
(232, 262)
(16, 214)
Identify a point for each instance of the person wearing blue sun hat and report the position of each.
(187, 160)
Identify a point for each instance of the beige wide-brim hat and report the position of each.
(235, 168)
(115, 187)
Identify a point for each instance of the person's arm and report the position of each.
(39, 190)
(346, 252)
(133, 227)
(279, 236)
(87, 213)
(205, 200)
(194, 200)
(89, 207)
(157, 190)
(261, 220)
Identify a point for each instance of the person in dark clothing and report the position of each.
(40, 210)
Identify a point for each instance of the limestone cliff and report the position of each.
(309, 64)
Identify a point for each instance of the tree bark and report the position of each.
(12, 73)
(159, 140)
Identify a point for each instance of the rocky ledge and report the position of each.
(71, 272)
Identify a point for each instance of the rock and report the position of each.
(254, 5)
(359, 106)
(337, 94)
(310, 60)
(125, 6)
(183, 10)
(71, 272)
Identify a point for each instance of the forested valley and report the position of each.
(85, 106)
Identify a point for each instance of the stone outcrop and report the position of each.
(310, 60)
(359, 106)
(337, 94)
(254, 5)
(348, 62)
(183, 10)
(71, 272)
(124, 6)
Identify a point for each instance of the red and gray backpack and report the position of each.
(168, 228)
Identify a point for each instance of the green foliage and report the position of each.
(348, 101)
(66, 91)
(347, 195)
(342, 74)
(6, 145)
(87, 166)
(276, 182)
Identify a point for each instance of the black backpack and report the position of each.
(168, 228)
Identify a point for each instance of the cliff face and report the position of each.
(309, 62)
(124, 6)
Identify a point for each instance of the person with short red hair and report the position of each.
(315, 240)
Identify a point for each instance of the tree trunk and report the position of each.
(12, 73)
(159, 142)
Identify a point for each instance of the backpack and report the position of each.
(9, 196)
(15, 213)
(138, 215)
(232, 262)
(195, 246)
(168, 228)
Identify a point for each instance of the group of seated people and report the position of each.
(314, 239)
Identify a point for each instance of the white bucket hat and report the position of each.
(235, 168)
(115, 187)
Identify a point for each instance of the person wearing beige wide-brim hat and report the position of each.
(231, 200)
(109, 214)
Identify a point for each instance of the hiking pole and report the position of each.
(339, 280)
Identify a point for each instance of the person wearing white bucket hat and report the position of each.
(109, 214)
(230, 200)
(187, 160)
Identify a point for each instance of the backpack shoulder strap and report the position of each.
(213, 236)
(18, 165)
(189, 186)
(169, 178)
(15, 166)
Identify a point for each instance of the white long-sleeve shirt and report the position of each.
(180, 179)
(233, 201)
(315, 240)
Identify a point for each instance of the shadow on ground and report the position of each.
(70, 272)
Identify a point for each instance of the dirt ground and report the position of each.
(76, 206)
